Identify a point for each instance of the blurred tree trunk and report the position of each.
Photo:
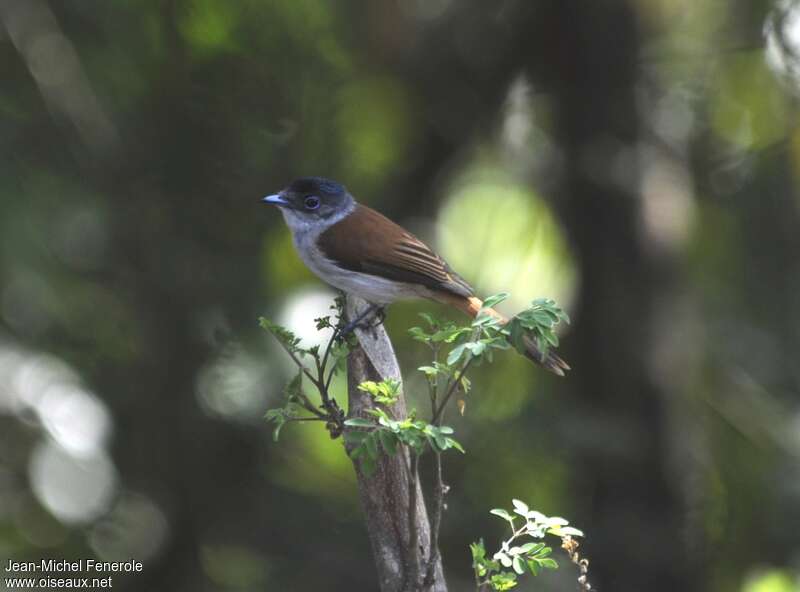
(637, 526)
(385, 494)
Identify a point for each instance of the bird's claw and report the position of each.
(374, 310)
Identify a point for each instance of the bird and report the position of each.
(362, 252)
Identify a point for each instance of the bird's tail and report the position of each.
(472, 306)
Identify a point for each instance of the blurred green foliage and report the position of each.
(637, 161)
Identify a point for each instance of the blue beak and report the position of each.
(275, 200)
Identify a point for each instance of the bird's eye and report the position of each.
(311, 202)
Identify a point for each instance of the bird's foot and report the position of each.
(373, 316)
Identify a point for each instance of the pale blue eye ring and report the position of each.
(311, 202)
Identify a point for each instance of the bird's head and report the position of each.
(312, 202)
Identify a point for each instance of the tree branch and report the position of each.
(385, 494)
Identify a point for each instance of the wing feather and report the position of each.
(368, 242)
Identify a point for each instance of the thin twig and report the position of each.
(451, 390)
(299, 363)
(434, 384)
(330, 377)
(436, 522)
(309, 406)
(413, 532)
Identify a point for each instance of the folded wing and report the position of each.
(368, 242)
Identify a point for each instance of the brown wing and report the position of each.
(369, 242)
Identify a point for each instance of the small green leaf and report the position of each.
(478, 550)
(533, 566)
(531, 547)
(503, 581)
(429, 319)
(277, 431)
(504, 559)
(520, 507)
(359, 422)
(388, 441)
(455, 444)
(568, 530)
(548, 563)
(420, 335)
(456, 353)
(495, 299)
(518, 564)
(476, 349)
(502, 513)
(429, 370)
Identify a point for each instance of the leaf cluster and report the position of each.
(529, 557)
(489, 332)
(318, 367)
(388, 433)
(476, 340)
(386, 392)
(538, 321)
(291, 410)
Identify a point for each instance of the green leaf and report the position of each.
(420, 335)
(520, 507)
(295, 387)
(533, 566)
(429, 319)
(286, 337)
(388, 441)
(323, 323)
(502, 513)
(476, 348)
(277, 431)
(503, 581)
(548, 563)
(504, 559)
(495, 299)
(359, 422)
(478, 550)
(531, 547)
(451, 443)
(386, 392)
(455, 354)
(568, 530)
(518, 564)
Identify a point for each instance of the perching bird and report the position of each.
(359, 251)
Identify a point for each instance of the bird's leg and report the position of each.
(373, 309)
(379, 316)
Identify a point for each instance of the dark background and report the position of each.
(638, 161)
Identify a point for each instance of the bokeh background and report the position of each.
(636, 160)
